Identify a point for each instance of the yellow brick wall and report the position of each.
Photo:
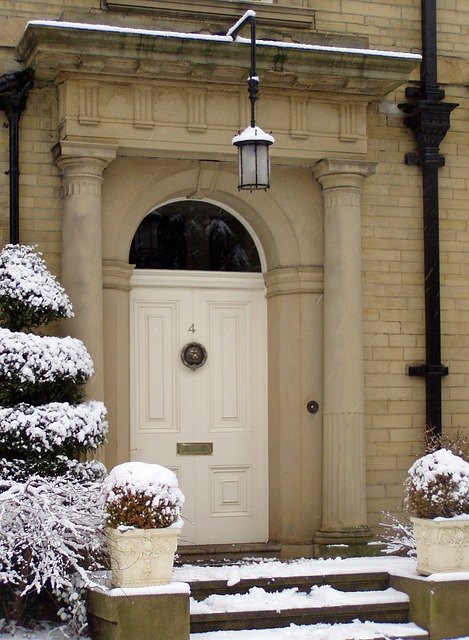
(393, 309)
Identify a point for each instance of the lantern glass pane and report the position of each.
(253, 165)
(262, 165)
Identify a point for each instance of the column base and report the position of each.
(347, 542)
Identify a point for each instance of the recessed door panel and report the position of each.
(230, 373)
(155, 377)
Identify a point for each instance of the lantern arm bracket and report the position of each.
(253, 80)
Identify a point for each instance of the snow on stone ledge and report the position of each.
(102, 582)
(224, 38)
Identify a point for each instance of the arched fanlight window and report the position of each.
(193, 235)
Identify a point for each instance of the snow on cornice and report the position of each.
(224, 38)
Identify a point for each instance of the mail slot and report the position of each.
(194, 448)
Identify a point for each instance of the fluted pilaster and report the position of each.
(344, 486)
(82, 169)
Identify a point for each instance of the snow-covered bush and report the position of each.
(398, 536)
(51, 533)
(29, 293)
(457, 442)
(438, 485)
(43, 426)
(50, 510)
(141, 495)
(38, 369)
(49, 436)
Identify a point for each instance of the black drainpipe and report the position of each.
(14, 88)
(429, 119)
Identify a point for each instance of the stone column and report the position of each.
(344, 517)
(82, 166)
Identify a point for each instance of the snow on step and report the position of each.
(258, 599)
(351, 631)
(254, 569)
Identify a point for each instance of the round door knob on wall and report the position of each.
(194, 355)
(312, 406)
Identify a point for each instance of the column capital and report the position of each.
(68, 151)
(335, 173)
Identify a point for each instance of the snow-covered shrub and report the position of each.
(51, 533)
(44, 440)
(43, 424)
(456, 442)
(29, 293)
(398, 537)
(58, 425)
(38, 369)
(141, 495)
(50, 510)
(438, 485)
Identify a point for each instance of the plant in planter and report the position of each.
(143, 505)
(437, 493)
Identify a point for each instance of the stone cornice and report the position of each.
(54, 48)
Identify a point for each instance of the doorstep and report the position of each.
(222, 554)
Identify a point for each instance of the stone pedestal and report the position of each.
(344, 489)
(139, 614)
(439, 606)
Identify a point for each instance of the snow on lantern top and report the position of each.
(29, 293)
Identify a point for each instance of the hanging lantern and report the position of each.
(253, 143)
(253, 155)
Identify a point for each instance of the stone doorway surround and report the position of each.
(140, 123)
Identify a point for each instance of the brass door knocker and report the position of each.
(194, 355)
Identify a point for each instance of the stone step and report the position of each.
(260, 609)
(224, 554)
(348, 631)
(366, 581)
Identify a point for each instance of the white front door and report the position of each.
(208, 424)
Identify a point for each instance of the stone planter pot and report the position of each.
(142, 557)
(442, 545)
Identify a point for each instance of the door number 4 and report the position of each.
(192, 328)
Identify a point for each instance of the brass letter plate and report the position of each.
(194, 448)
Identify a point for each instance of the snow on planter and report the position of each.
(29, 293)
